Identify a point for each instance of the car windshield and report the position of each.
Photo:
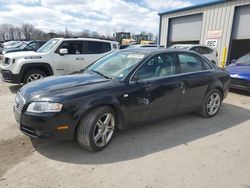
(244, 60)
(23, 45)
(48, 46)
(116, 65)
(18, 45)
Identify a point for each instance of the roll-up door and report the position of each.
(185, 28)
(241, 28)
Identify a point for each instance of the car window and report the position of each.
(74, 47)
(205, 50)
(244, 60)
(189, 63)
(158, 66)
(32, 46)
(95, 47)
(195, 49)
(206, 65)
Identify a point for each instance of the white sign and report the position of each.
(212, 43)
(214, 34)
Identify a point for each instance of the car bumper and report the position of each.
(44, 125)
(8, 76)
(241, 84)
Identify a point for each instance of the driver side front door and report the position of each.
(155, 92)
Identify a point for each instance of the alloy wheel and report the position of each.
(34, 77)
(104, 129)
(213, 104)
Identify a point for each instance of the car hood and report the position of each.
(22, 54)
(239, 71)
(7, 50)
(56, 87)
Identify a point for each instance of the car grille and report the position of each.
(238, 81)
(19, 102)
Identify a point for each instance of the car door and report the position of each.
(70, 62)
(194, 78)
(94, 50)
(153, 90)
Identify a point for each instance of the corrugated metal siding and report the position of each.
(215, 17)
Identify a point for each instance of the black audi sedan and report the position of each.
(125, 88)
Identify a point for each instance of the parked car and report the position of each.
(124, 88)
(16, 45)
(10, 43)
(58, 56)
(240, 73)
(208, 52)
(25, 46)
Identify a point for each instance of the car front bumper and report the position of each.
(8, 76)
(45, 125)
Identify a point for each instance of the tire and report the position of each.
(90, 132)
(34, 73)
(215, 103)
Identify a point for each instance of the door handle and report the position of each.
(79, 58)
(150, 87)
(182, 85)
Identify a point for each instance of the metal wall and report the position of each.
(215, 17)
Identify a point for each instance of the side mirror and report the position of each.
(63, 51)
(136, 78)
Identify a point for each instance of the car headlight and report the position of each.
(40, 107)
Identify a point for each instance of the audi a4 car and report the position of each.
(240, 73)
(125, 88)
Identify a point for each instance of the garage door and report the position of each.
(186, 28)
(241, 28)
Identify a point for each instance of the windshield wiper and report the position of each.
(105, 76)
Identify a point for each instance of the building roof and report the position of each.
(193, 7)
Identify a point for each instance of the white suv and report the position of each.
(58, 56)
(208, 52)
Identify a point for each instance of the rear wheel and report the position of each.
(96, 129)
(211, 104)
(33, 75)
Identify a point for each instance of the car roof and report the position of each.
(89, 39)
(191, 45)
(152, 51)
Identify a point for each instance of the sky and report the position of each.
(102, 16)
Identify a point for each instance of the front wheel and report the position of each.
(33, 75)
(96, 129)
(211, 104)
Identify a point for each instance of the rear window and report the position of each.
(95, 47)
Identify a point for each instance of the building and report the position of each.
(224, 25)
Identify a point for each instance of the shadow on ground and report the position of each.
(240, 92)
(147, 139)
(14, 88)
